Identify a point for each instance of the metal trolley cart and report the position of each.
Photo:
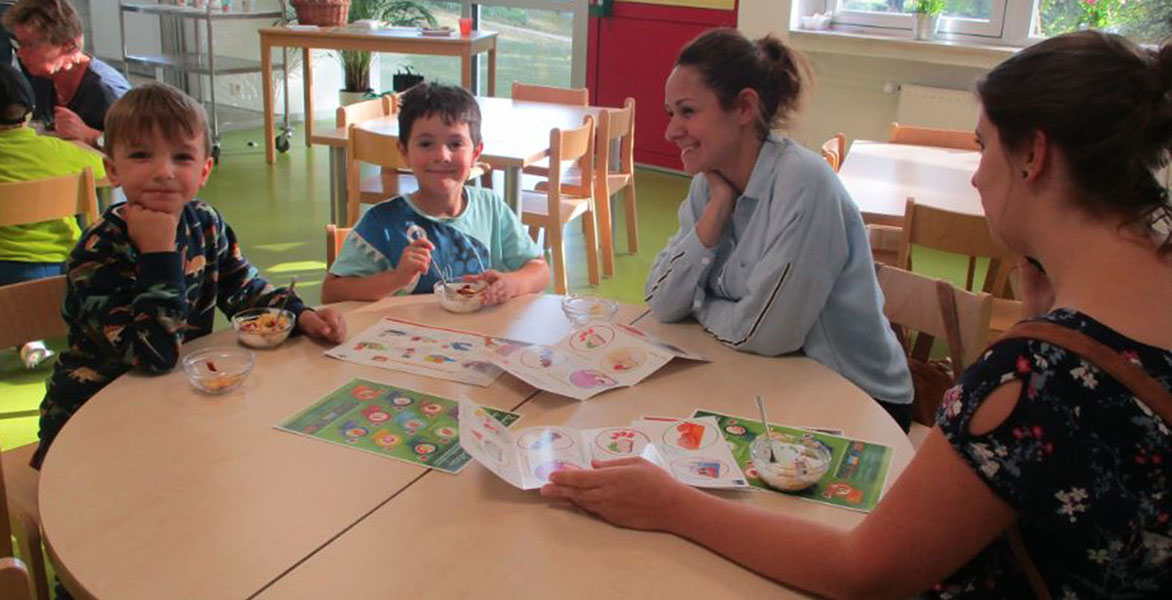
(200, 62)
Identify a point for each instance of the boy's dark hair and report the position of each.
(16, 96)
(57, 20)
(156, 107)
(453, 104)
(730, 62)
(1106, 103)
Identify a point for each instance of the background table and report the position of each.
(881, 177)
(155, 491)
(399, 40)
(477, 536)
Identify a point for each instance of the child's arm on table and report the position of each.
(240, 286)
(416, 259)
(531, 278)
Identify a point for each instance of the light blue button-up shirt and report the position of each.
(792, 272)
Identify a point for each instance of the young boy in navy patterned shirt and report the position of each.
(149, 274)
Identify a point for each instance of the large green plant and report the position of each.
(356, 65)
(927, 7)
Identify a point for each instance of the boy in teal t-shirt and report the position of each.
(36, 250)
(466, 232)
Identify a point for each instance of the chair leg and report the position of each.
(28, 540)
(632, 219)
(553, 235)
(589, 231)
(602, 210)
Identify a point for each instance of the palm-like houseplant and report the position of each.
(927, 16)
(356, 64)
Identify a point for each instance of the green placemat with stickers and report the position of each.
(390, 421)
(858, 469)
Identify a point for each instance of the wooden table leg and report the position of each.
(466, 72)
(492, 70)
(307, 67)
(266, 80)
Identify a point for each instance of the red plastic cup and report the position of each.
(466, 26)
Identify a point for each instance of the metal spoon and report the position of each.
(765, 423)
(288, 293)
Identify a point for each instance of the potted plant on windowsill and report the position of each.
(927, 17)
(356, 65)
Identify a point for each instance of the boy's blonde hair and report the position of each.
(156, 107)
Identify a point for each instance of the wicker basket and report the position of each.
(325, 13)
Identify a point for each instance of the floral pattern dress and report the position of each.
(1083, 462)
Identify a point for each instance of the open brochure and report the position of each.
(692, 450)
(592, 359)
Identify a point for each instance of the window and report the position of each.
(1013, 22)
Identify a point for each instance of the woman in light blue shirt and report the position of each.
(771, 256)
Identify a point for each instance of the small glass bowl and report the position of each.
(460, 296)
(263, 327)
(218, 370)
(581, 309)
(794, 467)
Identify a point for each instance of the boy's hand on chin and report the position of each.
(324, 324)
(150, 230)
(501, 286)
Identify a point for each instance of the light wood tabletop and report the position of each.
(155, 491)
(396, 39)
(515, 135)
(881, 176)
(476, 536)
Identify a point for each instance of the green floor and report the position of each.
(279, 213)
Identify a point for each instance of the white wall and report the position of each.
(849, 91)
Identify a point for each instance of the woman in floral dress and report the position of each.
(1045, 476)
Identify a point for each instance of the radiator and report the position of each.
(936, 107)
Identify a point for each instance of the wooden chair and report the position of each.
(886, 242)
(335, 237)
(25, 202)
(834, 151)
(15, 579)
(559, 204)
(916, 307)
(968, 235)
(555, 95)
(616, 127)
(928, 136)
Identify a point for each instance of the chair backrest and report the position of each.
(912, 301)
(929, 136)
(957, 233)
(367, 147)
(616, 124)
(335, 237)
(15, 581)
(25, 202)
(556, 95)
(571, 145)
(366, 110)
(834, 151)
(32, 311)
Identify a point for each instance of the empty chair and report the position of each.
(834, 151)
(922, 310)
(929, 136)
(15, 580)
(967, 235)
(555, 95)
(559, 204)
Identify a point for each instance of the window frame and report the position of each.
(1011, 23)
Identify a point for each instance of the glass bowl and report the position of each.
(263, 327)
(218, 370)
(793, 467)
(581, 309)
(460, 296)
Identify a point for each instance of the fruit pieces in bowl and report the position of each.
(218, 370)
(581, 309)
(789, 466)
(461, 296)
(263, 327)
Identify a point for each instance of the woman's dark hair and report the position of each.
(57, 20)
(1106, 104)
(452, 103)
(729, 62)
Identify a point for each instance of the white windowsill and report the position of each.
(942, 52)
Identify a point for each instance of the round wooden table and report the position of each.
(153, 490)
